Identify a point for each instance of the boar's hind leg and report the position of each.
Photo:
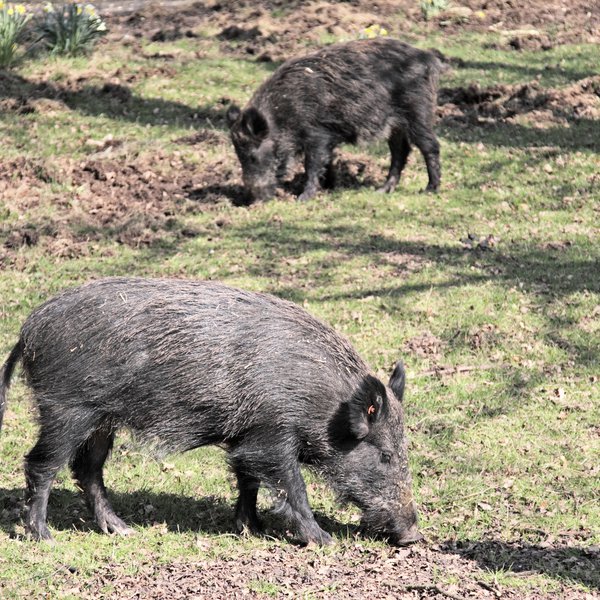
(423, 137)
(400, 149)
(87, 468)
(295, 508)
(327, 180)
(246, 517)
(54, 448)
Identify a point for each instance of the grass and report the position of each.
(503, 450)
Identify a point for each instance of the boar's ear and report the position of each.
(398, 380)
(233, 114)
(255, 124)
(366, 406)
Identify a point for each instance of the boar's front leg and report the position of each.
(246, 517)
(317, 158)
(400, 149)
(291, 490)
(277, 468)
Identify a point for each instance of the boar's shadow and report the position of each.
(208, 515)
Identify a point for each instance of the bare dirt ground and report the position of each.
(543, 25)
(353, 572)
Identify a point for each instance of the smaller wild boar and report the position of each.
(345, 93)
(184, 364)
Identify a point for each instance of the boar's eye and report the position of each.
(386, 457)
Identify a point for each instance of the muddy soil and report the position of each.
(142, 201)
(527, 103)
(352, 572)
(277, 29)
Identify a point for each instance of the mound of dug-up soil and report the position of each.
(273, 30)
(133, 203)
(544, 106)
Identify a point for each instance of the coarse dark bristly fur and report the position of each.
(184, 364)
(345, 93)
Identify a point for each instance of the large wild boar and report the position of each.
(183, 364)
(345, 93)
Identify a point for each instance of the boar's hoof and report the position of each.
(39, 533)
(307, 195)
(320, 538)
(249, 527)
(112, 524)
(430, 189)
(386, 188)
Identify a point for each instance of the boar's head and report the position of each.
(369, 466)
(255, 149)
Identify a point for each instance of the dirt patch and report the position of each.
(484, 337)
(353, 171)
(20, 106)
(403, 263)
(272, 30)
(136, 201)
(523, 103)
(425, 345)
(209, 137)
(221, 182)
(354, 571)
(543, 25)
(479, 243)
(267, 31)
(133, 203)
(22, 236)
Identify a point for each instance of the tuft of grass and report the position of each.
(430, 8)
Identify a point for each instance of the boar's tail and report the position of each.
(441, 61)
(437, 63)
(5, 376)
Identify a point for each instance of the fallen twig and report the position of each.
(487, 586)
(431, 588)
(438, 371)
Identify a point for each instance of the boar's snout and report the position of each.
(259, 188)
(399, 529)
(405, 529)
(410, 536)
(261, 193)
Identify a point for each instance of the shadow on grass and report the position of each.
(580, 565)
(534, 269)
(111, 100)
(235, 193)
(552, 75)
(517, 386)
(581, 134)
(214, 516)
(349, 174)
(209, 515)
